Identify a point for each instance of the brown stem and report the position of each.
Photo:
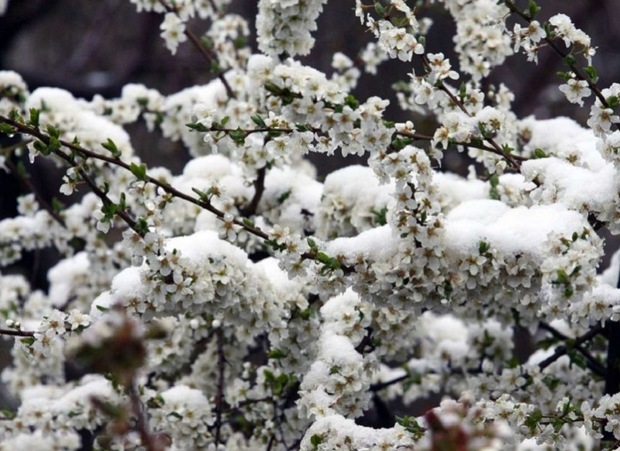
(563, 350)
(207, 54)
(148, 441)
(16, 333)
(219, 395)
(592, 363)
(259, 189)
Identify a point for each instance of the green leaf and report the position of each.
(483, 247)
(40, 147)
(539, 153)
(613, 101)
(139, 170)
(276, 354)
(562, 277)
(34, 117)
(57, 205)
(533, 9)
(352, 102)
(197, 126)
(8, 414)
(111, 146)
(258, 120)
(282, 197)
(533, 419)
(570, 60)
(312, 244)
(28, 341)
(493, 191)
(53, 132)
(7, 129)
(592, 73)
(564, 75)
(316, 440)
(380, 216)
(238, 136)
(142, 226)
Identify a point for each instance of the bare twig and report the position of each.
(259, 189)
(563, 350)
(148, 440)
(592, 362)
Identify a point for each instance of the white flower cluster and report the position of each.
(185, 414)
(285, 27)
(481, 39)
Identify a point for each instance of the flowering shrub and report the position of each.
(244, 305)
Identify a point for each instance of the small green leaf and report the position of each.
(7, 129)
(380, 216)
(539, 153)
(316, 440)
(533, 419)
(139, 170)
(57, 205)
(111, 146)
(258, 120)
(562, 277)
(613, 101)
(53, 132)
(276, 354)
(592, 73)
(34, 117)
(28, 341)
(533, 9)
(483, 247)
(570, 60)
(282, 197)
(352, 102)
(197, 126)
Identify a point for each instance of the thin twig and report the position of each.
(148, 441)
(592, 362)
(208, 54)
(579, 73)
(259, 189)
(563, 350)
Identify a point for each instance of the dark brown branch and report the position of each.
(592, 362)
(207, 54)
(259, 189)
(563, 350)
(16, 333)
(219, 395)
(148, 440)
